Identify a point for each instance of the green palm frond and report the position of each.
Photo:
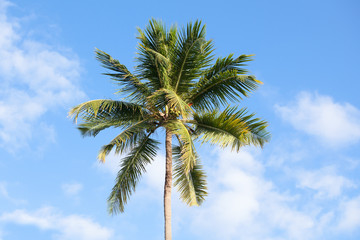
(128, 138)
(167, 97)
(232, 127)
(223, 64)
(128, 82)
(193, 53)
(97, 115)
(191, 185)
(154, 54)
(101, 109)
(188, 154)
(132, 166)
(222, 82)
(94, 127)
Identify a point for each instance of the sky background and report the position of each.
(304, 184)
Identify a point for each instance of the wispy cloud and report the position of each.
(335, 124)
(5, 194)
(350, 214)
(71, 227)
(243, 204)
(71, 189)
(325, 181)
(3, 190)
(35, 78)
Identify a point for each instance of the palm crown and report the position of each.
(176, 85)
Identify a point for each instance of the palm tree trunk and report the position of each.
(168, 185)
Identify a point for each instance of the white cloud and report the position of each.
(5, 194)
(35, 78)
(244, 205)
(71, 227)
(335, 124)
(350, 215)
(325, 181)
(3, 190)
(71, 189)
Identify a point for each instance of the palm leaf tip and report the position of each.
(104, 151)
(232, 127)
(74, 113)
(132, 167)
(191, 184)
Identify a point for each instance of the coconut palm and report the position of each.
(178, 86)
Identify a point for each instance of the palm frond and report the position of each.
(191, 185)
(223, 64)
(105, 108)
(100, 114)
(154, 62)
(93, 128)
(128, 138)
(232, 127)
(188, 154)
(132, 166)
(167, 97)
(193, 53)
(224, 81)
(128, 82)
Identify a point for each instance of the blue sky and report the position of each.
(303, 185)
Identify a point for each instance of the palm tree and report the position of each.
(179, 87)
